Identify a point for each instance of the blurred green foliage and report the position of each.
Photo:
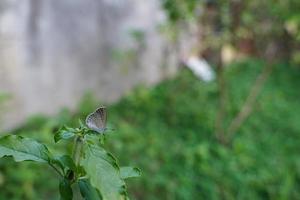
(247, 25)
(168, 132)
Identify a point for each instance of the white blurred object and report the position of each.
(200, 68)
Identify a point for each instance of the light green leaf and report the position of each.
(65, 190)
(63, 134)
(103, 172)
(130, 172)
(23, 149)
(87, 191)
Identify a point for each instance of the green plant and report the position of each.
(91, 167)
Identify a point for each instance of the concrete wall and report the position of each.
(52, 51)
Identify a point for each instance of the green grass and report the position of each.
(167, 131)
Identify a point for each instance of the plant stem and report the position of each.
(219, 124)
(78, 142)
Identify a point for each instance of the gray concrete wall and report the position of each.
(52, 51)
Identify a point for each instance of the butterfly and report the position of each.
(97, 120)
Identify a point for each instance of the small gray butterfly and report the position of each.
(97, 120)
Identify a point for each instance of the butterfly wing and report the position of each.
(97, 120)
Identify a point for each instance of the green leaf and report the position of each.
(130, 172)
(65, 162)
(65, 190)
(92, 132)
(88, 192)
(23, 149)
(63, 134)
(103, 171)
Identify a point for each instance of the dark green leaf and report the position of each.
(87, 191)
(63, 134)
(23, 149)
(103, 171)
(92, 132)
(65, 162)
(129, 172)
(65, 190)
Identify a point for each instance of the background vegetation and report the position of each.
(167, 132)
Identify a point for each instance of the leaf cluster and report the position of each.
(91, 168)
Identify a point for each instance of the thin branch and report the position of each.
(249, 103)
(219, 125)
